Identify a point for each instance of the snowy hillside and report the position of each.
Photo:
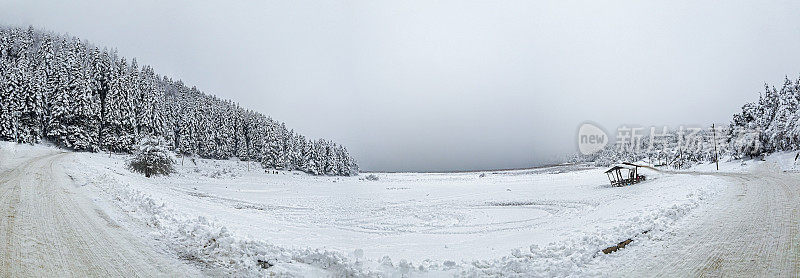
(228, 219)
(64, 90)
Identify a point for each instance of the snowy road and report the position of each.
(49, 229)
(751, 230)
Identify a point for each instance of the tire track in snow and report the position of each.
(50, 229)
(752, 230)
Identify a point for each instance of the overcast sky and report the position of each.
(451, 85)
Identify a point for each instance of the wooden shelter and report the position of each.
(624, 174)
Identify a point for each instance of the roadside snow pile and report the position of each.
(787, 161)
(214, 247)
(572, 257)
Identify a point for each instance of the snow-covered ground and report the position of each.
(228, 218)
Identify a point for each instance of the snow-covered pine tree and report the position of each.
(288, 148)
(28, 86)
(59, 102)
(47, 72)
(5, 92)
(7, 106)
(779, 130)
(145, 97)
(298, 155)
(241, 141)
(11, 104)
(314, 154)
(152, 157)
(120, 133)
(157, 105)
(272, 150)
(103, 74)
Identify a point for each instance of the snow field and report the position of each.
(542, 222)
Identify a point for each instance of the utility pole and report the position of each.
(716, 155)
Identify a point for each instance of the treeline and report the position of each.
(772, 120)
(69, 92)
(768, 125)
(677, 147)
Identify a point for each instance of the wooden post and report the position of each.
(716, 155)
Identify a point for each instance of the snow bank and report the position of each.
(570, 257)
(216, 248)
